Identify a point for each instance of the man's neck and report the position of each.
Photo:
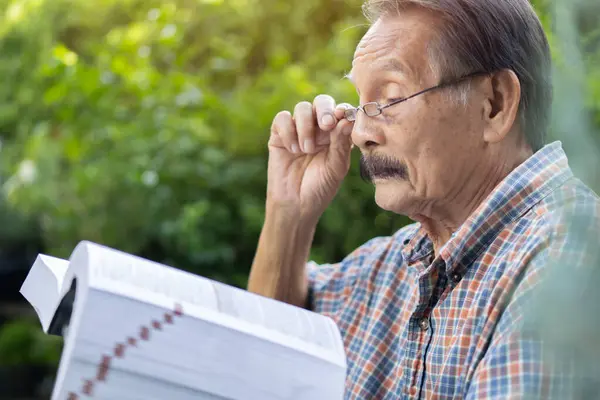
(442, 221)
(441, 225)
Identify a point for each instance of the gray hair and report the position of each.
(490, 35)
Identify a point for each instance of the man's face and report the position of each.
(417, 153)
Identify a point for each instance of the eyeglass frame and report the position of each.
(380, 107)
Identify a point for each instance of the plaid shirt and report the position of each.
(416, 325)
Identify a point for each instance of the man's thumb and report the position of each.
(341, 142)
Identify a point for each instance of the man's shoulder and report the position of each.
(570, 203)
(554, 245)
(572, 193)
(563, 224)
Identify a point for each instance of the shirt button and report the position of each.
(456, 277)
(413, 391)
(424, 324)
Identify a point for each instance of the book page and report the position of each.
(43, 285)
(57, 266)
(147, 280)
(289, 320)
(158, 284)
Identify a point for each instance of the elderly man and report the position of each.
(455, 98)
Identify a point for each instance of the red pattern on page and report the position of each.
(120, 351)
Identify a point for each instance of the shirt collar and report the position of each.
(524, 187)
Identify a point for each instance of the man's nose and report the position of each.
(365, 134)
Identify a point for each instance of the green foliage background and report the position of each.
(142, 124)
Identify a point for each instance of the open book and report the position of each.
(135, 329)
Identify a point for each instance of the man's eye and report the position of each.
(395, 99)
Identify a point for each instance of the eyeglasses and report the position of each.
(373, 109)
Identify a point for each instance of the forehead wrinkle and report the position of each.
(383, 48)
(375, 43)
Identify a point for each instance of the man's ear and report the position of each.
(503, 96)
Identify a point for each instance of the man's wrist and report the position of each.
(291, 220)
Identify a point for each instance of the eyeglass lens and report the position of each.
(371, 109)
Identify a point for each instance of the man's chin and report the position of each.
(392, 195)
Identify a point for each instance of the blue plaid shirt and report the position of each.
(448, 327)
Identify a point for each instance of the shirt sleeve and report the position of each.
(330, 284)
(544, 345)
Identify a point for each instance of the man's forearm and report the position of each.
(278, 270)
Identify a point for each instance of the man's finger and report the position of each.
(341, 109)
(305, 126)
(346, 126)
(341, 144)
(283, 132)
(324, 107)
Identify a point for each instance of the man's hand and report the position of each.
(309, 156)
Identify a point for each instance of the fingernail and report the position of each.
(295, 148)
(328, 120)
(309, 146)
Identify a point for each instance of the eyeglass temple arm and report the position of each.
(439, 86)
